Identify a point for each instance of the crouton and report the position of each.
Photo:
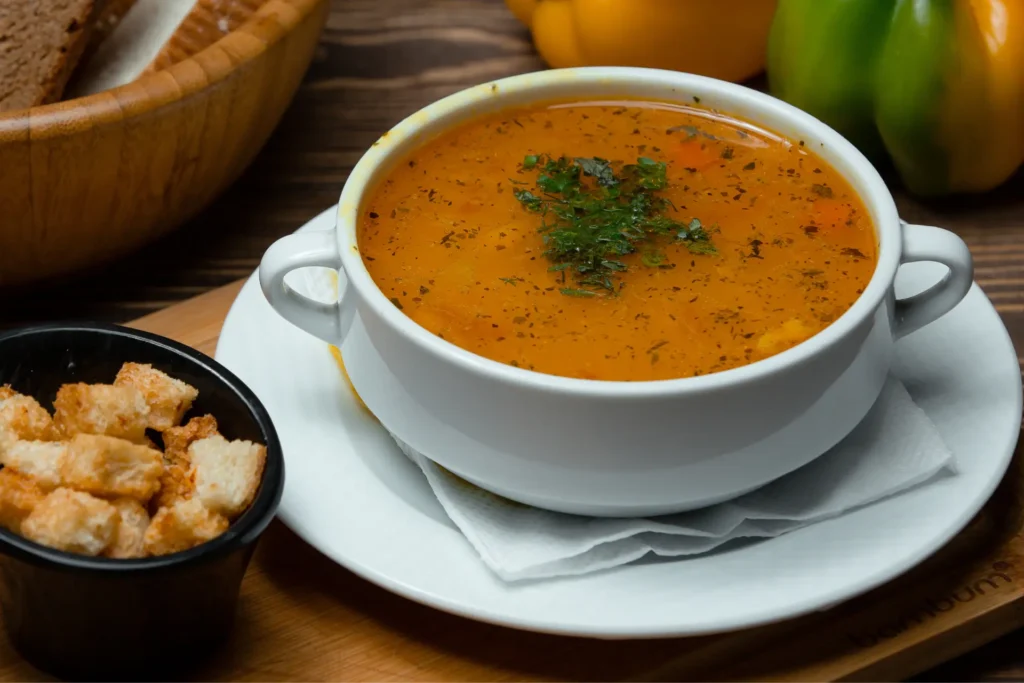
(178, 479)
(227, 473)
(182, 526)
(72, 521)
(19, 496)
(7, 392)
(21, 417)
(131, 529)
(111, 467)
(178, 439)
(43, 461)
(102, 409)
(177, 482)
(168, 398)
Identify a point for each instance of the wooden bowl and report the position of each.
(88, 180)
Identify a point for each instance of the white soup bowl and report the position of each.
(615, 448)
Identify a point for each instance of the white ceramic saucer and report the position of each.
(351, 493)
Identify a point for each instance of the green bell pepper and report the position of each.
(938, 85)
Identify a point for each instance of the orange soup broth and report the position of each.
(446, 240)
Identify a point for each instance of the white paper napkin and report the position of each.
(895, 448)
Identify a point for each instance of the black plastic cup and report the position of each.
(82, 617)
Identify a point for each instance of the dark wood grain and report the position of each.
(378, 61)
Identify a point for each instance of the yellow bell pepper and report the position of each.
(938, 85)
(723, 39)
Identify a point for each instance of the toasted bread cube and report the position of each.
(19, 496)
(228, 473)
(21, 417)
(131, 530)
(102, 409)
(72, 521)
(177, 482)
(181, 526)
(111, 467)
(178, 439)
(43, 461)
(6, 392)
(168, 398)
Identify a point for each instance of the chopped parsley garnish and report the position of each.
(593, 214)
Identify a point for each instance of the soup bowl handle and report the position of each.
(328, 321)
(927, 243)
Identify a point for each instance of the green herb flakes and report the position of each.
(593, 214)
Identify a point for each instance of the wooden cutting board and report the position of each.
(302, 617)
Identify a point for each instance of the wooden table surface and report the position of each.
(380, 60)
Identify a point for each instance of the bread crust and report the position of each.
(204, 25)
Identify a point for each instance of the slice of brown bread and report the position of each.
(130, 47)
(208, 22)
(41, 42)
(155, 35)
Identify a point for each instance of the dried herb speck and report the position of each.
(823, 191)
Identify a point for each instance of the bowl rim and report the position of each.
(536, 87)
(121, 104)
(244, 531)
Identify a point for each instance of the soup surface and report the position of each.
(617, 240)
